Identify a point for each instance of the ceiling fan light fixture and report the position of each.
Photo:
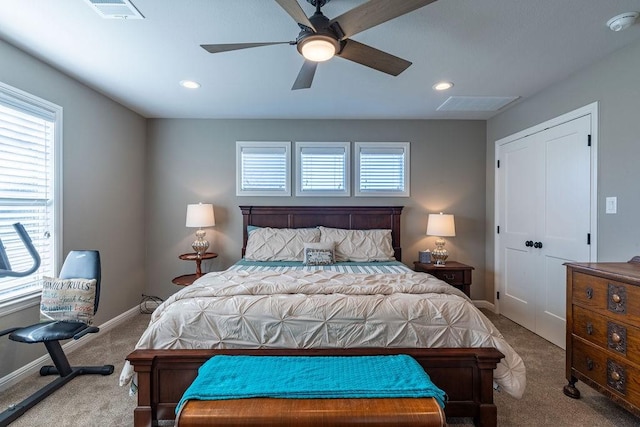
(318, 48)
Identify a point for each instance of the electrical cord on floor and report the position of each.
(148, 303)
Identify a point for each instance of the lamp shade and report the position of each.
(200, 215)
(441, 225)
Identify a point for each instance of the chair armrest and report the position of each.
(8, 331)
(88, 330)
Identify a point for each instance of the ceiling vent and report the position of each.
(115, 9)
(476, 103)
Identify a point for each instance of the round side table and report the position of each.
(187, 279)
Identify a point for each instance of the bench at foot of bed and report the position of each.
(379, 412)
(465, 374)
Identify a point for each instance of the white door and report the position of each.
(545, 219)
(564, 226)
(517, 223)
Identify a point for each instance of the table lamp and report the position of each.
(200, 215)
(441, 225)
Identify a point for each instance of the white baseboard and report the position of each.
(485, 304)
(33, 367)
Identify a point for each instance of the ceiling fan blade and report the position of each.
(216, 48)
(292, 7)
(373, 58)
(305, 76)
(375, 12)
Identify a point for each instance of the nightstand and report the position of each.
(454, 273)
(187, 279)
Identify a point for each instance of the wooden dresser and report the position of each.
(603, 330)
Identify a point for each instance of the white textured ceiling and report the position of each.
(497, 48)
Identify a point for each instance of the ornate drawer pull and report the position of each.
(589, 293)
(449, 276)
(589, 328)
(589, 364)
(617, 299)
(616, 376)
(617, 337)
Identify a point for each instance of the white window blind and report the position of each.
(263, 168)
(322, 169)
(29, 128)
(382, 169)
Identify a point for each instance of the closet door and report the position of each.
(564, 224)
(519, 175)
(544, 194)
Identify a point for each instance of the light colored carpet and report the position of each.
(544, 403)
(87, 399)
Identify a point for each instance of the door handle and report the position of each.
(529, 243)
(537, 245)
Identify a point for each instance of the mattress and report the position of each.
(301, 308)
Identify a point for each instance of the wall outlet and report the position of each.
(611, 205)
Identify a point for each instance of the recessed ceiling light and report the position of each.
(189, 84)
(443, 85)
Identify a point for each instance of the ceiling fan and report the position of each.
(322, 38)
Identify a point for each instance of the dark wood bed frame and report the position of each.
(465, 374)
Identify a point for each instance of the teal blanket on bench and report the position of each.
(311, 377)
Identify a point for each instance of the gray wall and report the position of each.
(615, 84)
(192, 161)
(103, 189)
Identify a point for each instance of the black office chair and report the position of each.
(78, 264)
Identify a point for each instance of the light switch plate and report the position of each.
(612, 205)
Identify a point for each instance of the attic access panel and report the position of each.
(115, 9)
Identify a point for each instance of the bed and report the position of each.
(435, 323)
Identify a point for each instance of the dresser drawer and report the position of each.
(620, 338)
(610, 372)
(607, 297)
(451, 277)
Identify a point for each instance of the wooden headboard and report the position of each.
(347, 217)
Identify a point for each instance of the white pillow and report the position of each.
(359, 245)
(321, 253)
(68, 299)
(279, 244)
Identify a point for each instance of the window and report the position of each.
(322, 169)
(263, 168)
(382, 169)
(30, 147)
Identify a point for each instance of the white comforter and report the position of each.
(324, 309)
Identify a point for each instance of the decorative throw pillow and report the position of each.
(68, 299)
(279, 244)
(319, 253)
(359, 245)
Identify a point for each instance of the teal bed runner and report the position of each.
(376, 267)
(311, 377)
